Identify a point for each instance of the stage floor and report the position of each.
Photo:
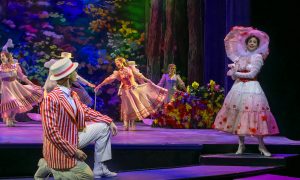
(165, 153)
(31, 133)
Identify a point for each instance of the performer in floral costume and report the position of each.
(246, 110)
(15, 97)
(137, 101)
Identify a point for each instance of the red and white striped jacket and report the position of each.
(61, 126)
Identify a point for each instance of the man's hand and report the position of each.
(92, 85)
(97, 88)
(231, 65)
(80, 155)
(113, 128)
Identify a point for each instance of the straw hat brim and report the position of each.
(55, 78)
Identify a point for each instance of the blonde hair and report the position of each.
(122, 60)
(8, 56)
(171, 65)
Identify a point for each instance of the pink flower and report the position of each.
(29, 28)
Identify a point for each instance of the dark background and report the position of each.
(280, 74)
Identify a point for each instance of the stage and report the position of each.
(31, 133)
(157, 152)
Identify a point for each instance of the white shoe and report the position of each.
(241, 149)
(43, 171)
(264, 151)
(101, 170)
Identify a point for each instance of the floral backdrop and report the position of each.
(94, 31)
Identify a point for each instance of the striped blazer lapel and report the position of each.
(66, 105)
(79, 113)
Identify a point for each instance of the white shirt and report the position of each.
(67, 93)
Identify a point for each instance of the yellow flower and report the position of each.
(188, 89)
(195, 85)
(212, 83)
(155, 121)
(188, 107)
(121, 30)
(200, 124)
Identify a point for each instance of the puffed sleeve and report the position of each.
(256, 64)
(111, 78)
(162, 81)
(138, 75)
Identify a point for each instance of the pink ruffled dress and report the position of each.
(137, 101)
(15, 97)
(246, 110)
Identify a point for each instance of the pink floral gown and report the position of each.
(246, 110)
(15, 97)
(137, 101)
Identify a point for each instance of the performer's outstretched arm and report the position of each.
(84, 81)
(108, 80)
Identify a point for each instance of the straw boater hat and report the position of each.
(66, 55)
(62, 68)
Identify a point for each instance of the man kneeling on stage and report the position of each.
(66, 132)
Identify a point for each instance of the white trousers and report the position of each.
(100, 134)
(96, 132)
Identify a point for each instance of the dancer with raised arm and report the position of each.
(137, 101)
(15, 97)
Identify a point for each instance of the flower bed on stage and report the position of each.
(193, 109)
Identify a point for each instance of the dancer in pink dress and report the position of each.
(137, 101)
(15, 97)
(246, 110)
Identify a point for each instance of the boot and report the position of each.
(262, 148)
(242, 146)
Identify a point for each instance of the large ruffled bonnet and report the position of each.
(235, 42)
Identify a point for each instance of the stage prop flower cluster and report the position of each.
(193, 109)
